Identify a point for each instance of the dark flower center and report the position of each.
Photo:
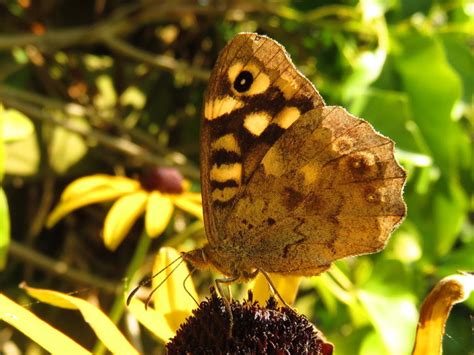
(166, 180)
(256, 330)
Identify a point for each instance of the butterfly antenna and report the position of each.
(148, 299)
(274, 289)
(147, 281)
(186, 289)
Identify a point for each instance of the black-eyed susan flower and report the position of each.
(256, 329)
(175, 297)
(157, 193)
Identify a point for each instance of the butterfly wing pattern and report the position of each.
(288, 184)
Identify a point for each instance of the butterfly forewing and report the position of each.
(255, 94)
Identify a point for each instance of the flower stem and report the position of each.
(118, 307)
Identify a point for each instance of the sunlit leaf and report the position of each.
(134, 97)
(107, 96)
(103, 327)
(66, 147)
(458, 259)
(22, 156)
(327, 297)
(158, 214)
(389, 111)
(37, 330)
(367, 67)
(122, 216)
(16, 125)
(390, 306)
(433, 88)
(171, 298)
(460, 57)
(449, 213)
(394, 319)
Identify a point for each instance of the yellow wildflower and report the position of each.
(157, 194)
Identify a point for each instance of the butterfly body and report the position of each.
(288, 184)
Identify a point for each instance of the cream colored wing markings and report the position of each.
(229, 103)
(301, 218)
(227, 175)
(211, 214)
(254, 122)
(217, 75)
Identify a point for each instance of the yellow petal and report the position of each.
(94, 196)
(122, 216)
(187, 205)
(154, 321)
(435, 311)
(86, 184)
(287, 287)
(159, 210)
(51, 339)
(103, 327)
(171, 299)
(193, 197)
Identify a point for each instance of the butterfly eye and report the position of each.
(244, 81)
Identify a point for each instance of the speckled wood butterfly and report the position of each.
(288, 184)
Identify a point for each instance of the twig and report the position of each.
(161, 61)
(61, 268)
(116, 143)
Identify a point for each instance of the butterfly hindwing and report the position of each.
(328, 188)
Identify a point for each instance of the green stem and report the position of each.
(118, 307)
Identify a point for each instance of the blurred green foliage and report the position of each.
(113, 85)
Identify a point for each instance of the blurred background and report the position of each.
(111, 86)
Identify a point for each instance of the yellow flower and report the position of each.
(157, 194)
(172, 303)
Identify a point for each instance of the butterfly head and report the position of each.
(220, 260)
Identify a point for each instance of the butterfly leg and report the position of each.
(219, 283)
(274, 289)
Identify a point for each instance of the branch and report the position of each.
(116, 143)
(61, 268)
(161, 61)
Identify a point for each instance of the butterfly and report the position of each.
(289, 184)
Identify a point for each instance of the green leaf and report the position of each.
(389, 112)
(458, 260)
(373, 345)
(16, 125)
(22, 156)
(433, 88)
(450, 209)
(391, 306)
(67, 148)
(460, 57)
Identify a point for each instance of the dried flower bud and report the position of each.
(166, 180)
(256, 330)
